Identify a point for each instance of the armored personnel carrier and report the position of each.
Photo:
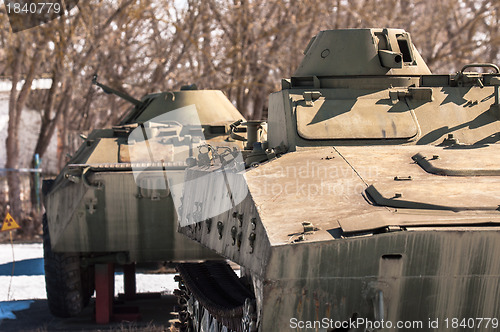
(378, 208)
(112, 202)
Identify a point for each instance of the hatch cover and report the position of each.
(361, 118)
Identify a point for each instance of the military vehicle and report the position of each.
(112, 203)
(377, 209)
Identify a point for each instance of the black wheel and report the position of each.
(66, 282)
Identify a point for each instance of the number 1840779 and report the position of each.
(471, 323)
(33, 7)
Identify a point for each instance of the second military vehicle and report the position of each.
(382, 212)
(112, 202)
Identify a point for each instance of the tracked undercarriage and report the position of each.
(212, 298)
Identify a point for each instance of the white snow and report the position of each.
(148, 283)
(37, 84)
(21, 252)
(22, 288)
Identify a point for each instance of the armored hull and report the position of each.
(383, 211)
(106, 198)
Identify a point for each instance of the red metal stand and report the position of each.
(105, 291)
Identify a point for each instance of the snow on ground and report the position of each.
(28, 281)
(22, 288)
(147, 283)
(21, 252)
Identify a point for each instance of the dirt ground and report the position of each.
(156, 317)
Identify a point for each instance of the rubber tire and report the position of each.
(63, 279)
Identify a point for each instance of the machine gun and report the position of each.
(122, 95)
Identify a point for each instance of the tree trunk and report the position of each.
(12, 143)
(46, 132)
(17, 102)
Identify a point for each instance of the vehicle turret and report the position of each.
(361, 52)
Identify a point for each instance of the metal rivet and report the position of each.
(251, 238)
(254, 223)
(233, 234)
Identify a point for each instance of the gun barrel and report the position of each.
(122, 95)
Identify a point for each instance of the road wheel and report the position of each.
(64, 279)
